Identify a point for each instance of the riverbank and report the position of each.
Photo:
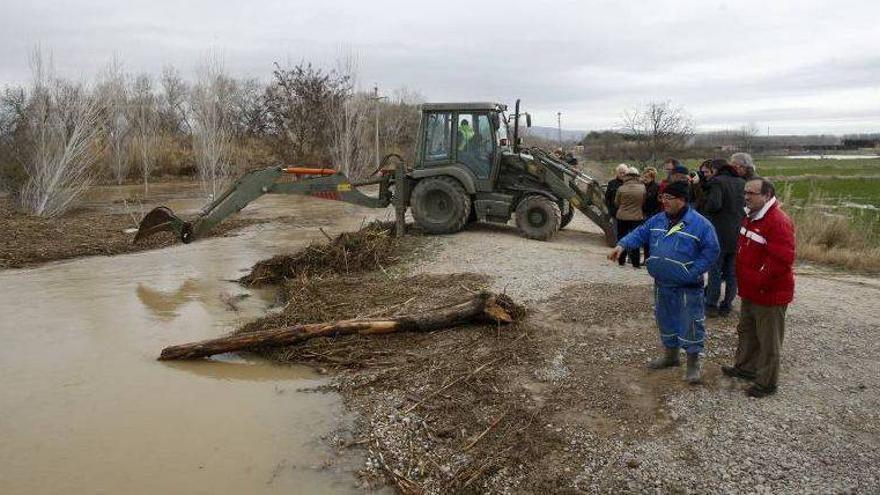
(29, 241)
(562, 401)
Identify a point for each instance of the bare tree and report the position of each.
(63, 124)
(212, 134)
(659, 129)
(746, 136)
(13, 138)
(400, 122)
(349, 115)
(174, 108)
(352, 147)
(249, 117)
(299, 103)
(114, 93)
(145, 119)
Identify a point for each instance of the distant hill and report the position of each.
(552, 133)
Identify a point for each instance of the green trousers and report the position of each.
(760, 331)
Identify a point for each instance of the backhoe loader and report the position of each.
(466, 168)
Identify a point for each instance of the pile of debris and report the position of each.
(370, 248)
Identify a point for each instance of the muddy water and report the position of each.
(86, 408)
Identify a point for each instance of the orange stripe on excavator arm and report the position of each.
(309, 171)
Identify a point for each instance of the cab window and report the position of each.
(438, 137)
(475, 143)
(501, 134)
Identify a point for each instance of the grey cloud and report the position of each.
(590, 60)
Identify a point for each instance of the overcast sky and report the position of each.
(795, 66)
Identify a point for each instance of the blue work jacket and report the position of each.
(680, 253)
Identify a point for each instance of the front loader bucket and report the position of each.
(162, 219)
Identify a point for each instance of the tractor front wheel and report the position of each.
(537, 217)
(440, 205)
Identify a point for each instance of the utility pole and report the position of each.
(559, 126)
(376, 99)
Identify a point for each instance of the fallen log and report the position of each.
(483, 307)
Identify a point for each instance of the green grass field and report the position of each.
(863, 188)
(825, 177)
(858, 191)
(782, 167)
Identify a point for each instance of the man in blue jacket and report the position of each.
(683, 248)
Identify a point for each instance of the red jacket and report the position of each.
(765, 254)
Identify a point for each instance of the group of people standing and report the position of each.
(723, 220)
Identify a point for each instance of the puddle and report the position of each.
(88, 409)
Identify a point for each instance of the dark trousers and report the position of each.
(625, 227)
(724, 270)
(760, 332)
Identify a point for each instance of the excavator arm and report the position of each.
(317, 182)
(580, 190)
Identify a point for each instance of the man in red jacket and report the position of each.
(765, 278)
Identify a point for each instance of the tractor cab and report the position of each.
(464, 140)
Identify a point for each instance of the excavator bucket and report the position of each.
(162, 219)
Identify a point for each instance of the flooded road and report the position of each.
(86, 408)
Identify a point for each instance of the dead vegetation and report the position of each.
(449, 385)
(483, 408)
(834, 236)
(29, 240)
(370, 248)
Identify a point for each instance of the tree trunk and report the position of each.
(484, 307)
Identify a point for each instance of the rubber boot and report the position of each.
(669, 360)
(693, 369)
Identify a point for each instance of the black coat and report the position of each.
(610, 194)
(652, 204)
(724, 206)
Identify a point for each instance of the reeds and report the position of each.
(831, 233)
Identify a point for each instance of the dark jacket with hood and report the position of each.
(652, 203)
(724, 206)
(611, 193)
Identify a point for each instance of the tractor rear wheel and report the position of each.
(566, 217)
(440, 205)
(538, 217)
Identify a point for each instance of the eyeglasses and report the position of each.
(752, 193)
(666, 197)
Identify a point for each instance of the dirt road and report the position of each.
(624, 428)
(564, 403)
